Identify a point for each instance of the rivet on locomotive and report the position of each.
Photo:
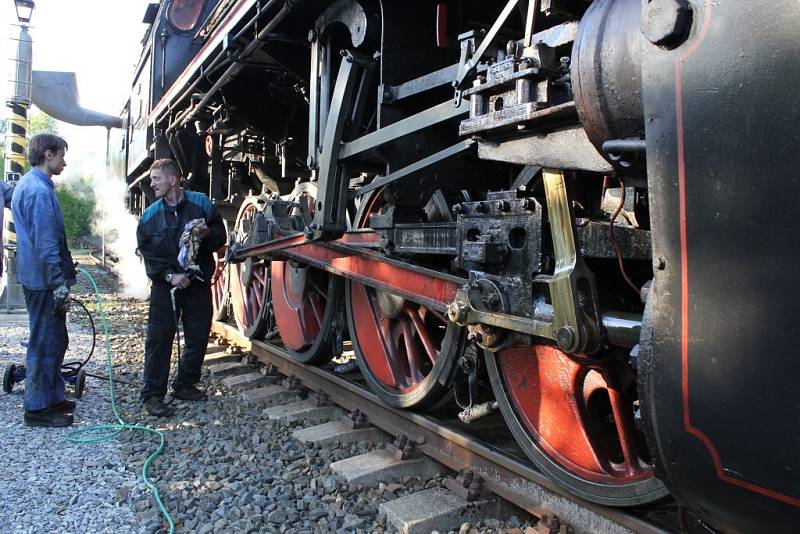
(580, 212)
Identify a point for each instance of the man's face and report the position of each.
(55, 161)
(161, 182)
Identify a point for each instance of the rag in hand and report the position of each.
(190, 246)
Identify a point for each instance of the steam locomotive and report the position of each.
(588, 205)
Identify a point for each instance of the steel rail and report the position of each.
(503, 475)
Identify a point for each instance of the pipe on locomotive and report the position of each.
(235, 68)
(622, 328)
(213, 66)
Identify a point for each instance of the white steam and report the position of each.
(113, 220)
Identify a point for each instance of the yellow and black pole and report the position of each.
(16, 142)
(18, 102)
(16, 145)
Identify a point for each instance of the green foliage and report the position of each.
(77, 206)
(41, 122)
(38, 122)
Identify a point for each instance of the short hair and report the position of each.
(41, 143)
(169, 166)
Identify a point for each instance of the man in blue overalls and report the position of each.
(45, 271)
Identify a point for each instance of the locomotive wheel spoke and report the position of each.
(249, 282)
(305, 299)
(322, 293)
(219, 287)
(317, 307)
(396, 366)
(624, 425)
(422, 333)
(402, 348)
(412, 353)
(438, 315)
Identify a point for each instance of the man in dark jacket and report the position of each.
(158, 235)
(45, 271)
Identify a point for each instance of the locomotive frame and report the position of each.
(564, 156)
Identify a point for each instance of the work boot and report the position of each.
(64, 406)
(47, 417)
(190, 393)
(155, 406)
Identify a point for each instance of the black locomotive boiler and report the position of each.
(587, 205)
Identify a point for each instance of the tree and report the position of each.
(77, 207)
(41, 122)
(38, 122)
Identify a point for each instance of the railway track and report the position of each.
(499, 471)
(96, 252)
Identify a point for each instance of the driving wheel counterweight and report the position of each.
(306, 301)
(576, 422)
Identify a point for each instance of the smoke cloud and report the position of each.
(113, 220)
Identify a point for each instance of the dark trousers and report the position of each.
(194, 308)
(47, 345)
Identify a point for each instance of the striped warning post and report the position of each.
(16, 140)
(16, 145)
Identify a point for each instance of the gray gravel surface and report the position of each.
(226, 468)
(51, 485)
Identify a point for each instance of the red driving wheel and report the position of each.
(576, 421)
(406, 351)
(306, 301)
(249, 280)
(220, 293)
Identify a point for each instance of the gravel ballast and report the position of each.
(225, 468)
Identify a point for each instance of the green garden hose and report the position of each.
(111, 431)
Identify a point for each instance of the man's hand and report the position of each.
(201, 230)
(61, 300)
(179, 280)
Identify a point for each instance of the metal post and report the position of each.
(108, 175)
(18, 102)
(16, 142)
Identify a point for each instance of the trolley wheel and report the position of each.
(249, 280)
(576, 422)
(306, 301)
(80, 383)
(405, 351)
(8, 378)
